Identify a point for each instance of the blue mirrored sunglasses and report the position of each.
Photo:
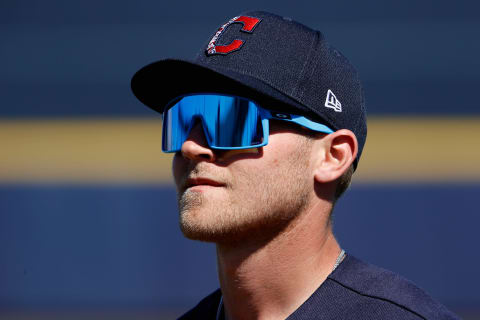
(228, 122)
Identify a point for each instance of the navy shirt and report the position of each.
(355, 290)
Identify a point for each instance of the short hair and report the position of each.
(343, 183)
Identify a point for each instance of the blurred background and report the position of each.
(88, 218)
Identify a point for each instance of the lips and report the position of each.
(193, 182)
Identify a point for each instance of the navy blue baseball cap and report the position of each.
(275, 61)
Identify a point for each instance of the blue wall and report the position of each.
(114, 246)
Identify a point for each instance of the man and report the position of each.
(267, 125)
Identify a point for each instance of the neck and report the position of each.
(271, 279)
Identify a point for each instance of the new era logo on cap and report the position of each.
(332, 102)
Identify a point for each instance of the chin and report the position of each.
(200, 234)
(222, 230)
(195, 226)
(203, 219)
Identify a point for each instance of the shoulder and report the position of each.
(205, 309)
(377, 286)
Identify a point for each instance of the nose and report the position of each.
(196, 147)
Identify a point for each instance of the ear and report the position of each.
(335, 154)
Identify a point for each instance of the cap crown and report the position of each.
(299, 64)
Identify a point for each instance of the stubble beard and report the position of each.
(259, 207)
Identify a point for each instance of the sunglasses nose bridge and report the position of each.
(195, 147)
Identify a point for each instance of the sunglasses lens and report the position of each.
(228, 122)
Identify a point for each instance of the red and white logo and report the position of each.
(249, 23)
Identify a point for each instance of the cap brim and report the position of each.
(158, 83)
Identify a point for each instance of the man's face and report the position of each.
(230, 196)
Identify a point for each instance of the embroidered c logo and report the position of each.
(249, 24)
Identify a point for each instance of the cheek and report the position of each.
(252, 175)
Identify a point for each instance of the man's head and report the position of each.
(280, 74)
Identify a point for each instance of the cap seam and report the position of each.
(307, 61)
(314, 63)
